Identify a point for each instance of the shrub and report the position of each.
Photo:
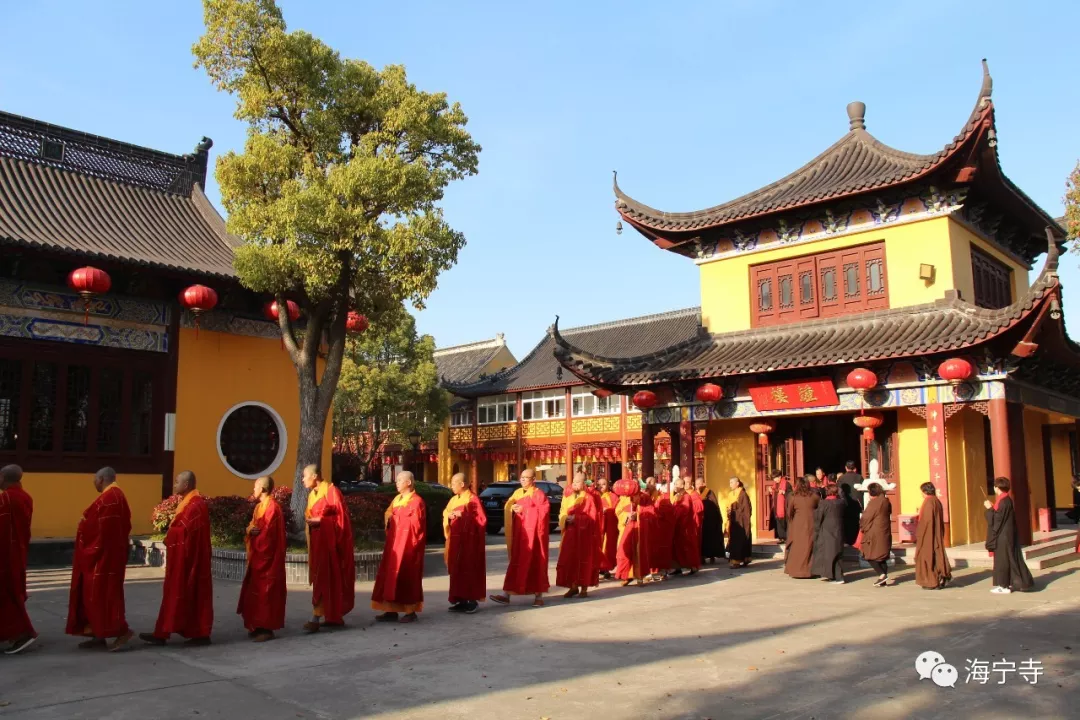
(366, 511)
(162, 514)
(229, 515)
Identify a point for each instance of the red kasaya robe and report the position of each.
(663, 534)
(465, 550)
(609, 532)
(577, 566)
(187, 599)
(399, 586)
(331, 560)
(632, 560)
(262, 595)
(96, 602)
(527, 542)
(16, 511)
(686, 538)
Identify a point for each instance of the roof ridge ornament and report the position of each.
(987, 88)
(856, 112)
(1052, 252)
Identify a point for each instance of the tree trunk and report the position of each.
(309, 447)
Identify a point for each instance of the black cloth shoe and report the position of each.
(471, 607)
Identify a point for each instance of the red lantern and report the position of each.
(355, 322)
(433, 458)
(271, 310)
(868, 422)
(89, 281)
(709, 393)
(699, 445)
(626, 487)
(862, 380)
(644, 399)
(762, 429)
(198, 299)
(956, 370)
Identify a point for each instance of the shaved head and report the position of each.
(263, 485)
(405, 481)
(311, 476)
(103, 478)
(184, 483)
(9, 475)
(457, 483)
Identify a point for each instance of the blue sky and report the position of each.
(693, 104)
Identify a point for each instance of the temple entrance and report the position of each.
(828, 442)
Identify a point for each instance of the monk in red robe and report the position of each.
(526, 519)
(465, 552)
(263, 592)
(16, 511)
(331, 559)
(686, 538)
(187, 602)
(579, 523)
(96, 603)
(399, 585)
(609, 528)
(663, 533)
(632, 552)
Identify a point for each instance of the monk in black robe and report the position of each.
(852, 513)
(931, 563)
(740, 543)
(712, 524)
(1010, 570)
(800, 535)
(829, 536)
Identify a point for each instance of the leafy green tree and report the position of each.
(389, 387)
(1072, 205)
(335, 194)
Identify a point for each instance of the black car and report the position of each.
(494, 498)
(351, 487)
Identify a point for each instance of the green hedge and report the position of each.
(435, 502)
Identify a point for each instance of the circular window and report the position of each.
(251, 440)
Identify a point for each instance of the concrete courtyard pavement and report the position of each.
(723, 644)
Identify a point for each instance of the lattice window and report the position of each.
(77, 409)
(875, 277)
(43, 407)
(787, 293)
(851, 280)
(765, 295)
(142, 405)
(10, 392)
(110, 410)
(992, 279)
(250, 440)
(806, 288)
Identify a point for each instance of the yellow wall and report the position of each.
(1036, 464)
(729, 452)
(216, 372)
(941, 242)
(966, 447)
(60, 498)
(1059, 449)
(914, 455)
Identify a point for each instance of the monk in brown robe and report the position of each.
(800, 530)
(16, 511)
(712, 524)
(876, 528)
(931, 563)
(96, 602)
(740, 543)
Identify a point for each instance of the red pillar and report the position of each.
(648, 466)
(686, 451)
(1010, 458)
(518, 440)
(939, 465)
(474, 482)
(569, 439)
(623, 454)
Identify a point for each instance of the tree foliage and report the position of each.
(335, 194)
(389, 387)
(1072, 204)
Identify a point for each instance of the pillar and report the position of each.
(519, 441)
(939, 465)
(1010, 458)
(569, 438)
(686, 449)
(648, 466)
(624, 407)
(474, 475)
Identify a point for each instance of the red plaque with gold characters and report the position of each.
(794, 394)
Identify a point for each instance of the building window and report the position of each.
(993, 280)
(583, 403)
(848, 281)
(75, 408)
(543, 405)
(461, 418)
(498, 409)
(251, 440)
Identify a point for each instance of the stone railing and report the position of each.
(231, 564)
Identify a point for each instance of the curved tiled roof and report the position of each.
(464, 363)
(947, 325)
(102, 199)
(540, 369)
(858, 162)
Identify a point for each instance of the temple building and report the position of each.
(126, 339)
(533, 414)
(874, 305)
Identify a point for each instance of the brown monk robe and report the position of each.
(740, 543)
(800, 529)
(876, 527)
(931, 562)
(829, 536)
